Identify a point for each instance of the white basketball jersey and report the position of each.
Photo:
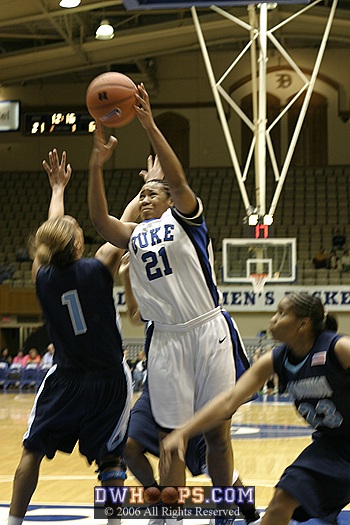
(171, 268)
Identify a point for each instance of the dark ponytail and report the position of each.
(331, 323)
(304, 304)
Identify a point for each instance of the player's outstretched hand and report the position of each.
(56, 170)
(102, 150)
(154, 170)
(173, 443)
(143, 110)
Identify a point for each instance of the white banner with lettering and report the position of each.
(244, 299)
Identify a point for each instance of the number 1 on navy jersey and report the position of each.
(71, 300)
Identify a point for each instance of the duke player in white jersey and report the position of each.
(313, 366)
(190, 357)
(143, 432)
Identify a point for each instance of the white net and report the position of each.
(258, 281)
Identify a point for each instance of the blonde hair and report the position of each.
(53, 242)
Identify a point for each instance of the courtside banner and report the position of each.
(135, 502)
(336, 298)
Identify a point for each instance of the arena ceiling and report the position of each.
(41, 42)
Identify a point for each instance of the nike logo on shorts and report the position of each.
(222, 340)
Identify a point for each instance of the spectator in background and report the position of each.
(5, 356)
(139, 371)
(32, 357)
(47, 360)
(130, 363)
(6, 270)
(345, 261)
(22, 254)
(321, 259)
(19, 358)
(339, 240)
(334, 261)
(257, 354)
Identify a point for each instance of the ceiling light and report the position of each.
(105, 31)
(69, 3)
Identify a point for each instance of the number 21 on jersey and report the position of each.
(156, 267)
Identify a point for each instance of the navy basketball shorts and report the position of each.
(91, 409)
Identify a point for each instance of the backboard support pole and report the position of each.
(220, 109)
(261, 141)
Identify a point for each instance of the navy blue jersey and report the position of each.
(318, 385)
(78, 305)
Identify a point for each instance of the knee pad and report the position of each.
(112, 468)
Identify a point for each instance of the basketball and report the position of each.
(169, 495)
(152, 495)
(110, 99)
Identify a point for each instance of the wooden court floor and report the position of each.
(266, 437)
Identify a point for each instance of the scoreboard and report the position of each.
(58, 123)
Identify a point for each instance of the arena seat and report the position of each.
(29, 376)
(313, 204)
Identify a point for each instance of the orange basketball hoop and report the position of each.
(258, 281)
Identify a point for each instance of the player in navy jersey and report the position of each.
(190, 356)
(313, 366)
(86, 396)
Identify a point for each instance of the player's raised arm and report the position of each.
(59, 175)
(183, 197)
(111, 256)
(111, 228)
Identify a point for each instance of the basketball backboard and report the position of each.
(176, 4)
(244, 258)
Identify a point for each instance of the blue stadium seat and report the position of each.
(14, 374)
(41, 374)
(29, 376)
(3, 372)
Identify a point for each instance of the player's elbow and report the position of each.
(99, 222)
(226, 405)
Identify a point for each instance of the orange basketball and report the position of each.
(169, 495)
(152, 495)
(110, 99)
